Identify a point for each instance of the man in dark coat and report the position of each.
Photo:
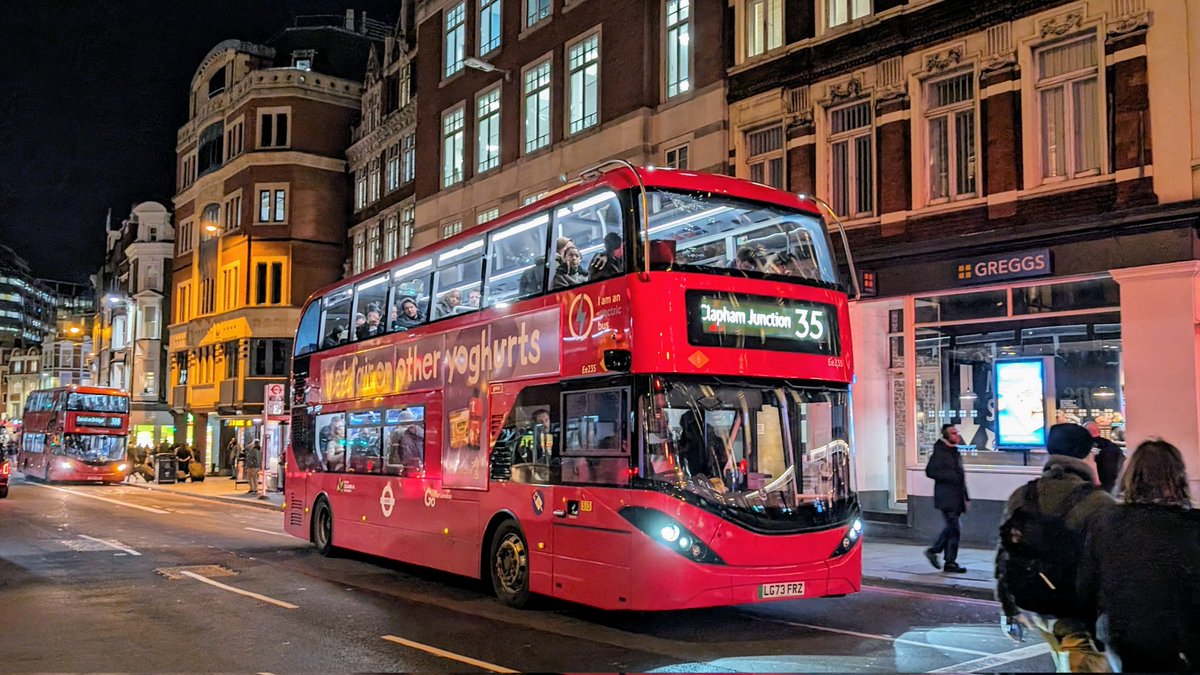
(1109, 458)
(1066, 472)
(950, 497)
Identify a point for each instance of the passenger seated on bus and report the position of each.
(332, 440)
(750, 259)
(569, 273)
(408, 316)
(336, 336)
(609, 263)
(450, 302)
(373, 324)
(473, 298)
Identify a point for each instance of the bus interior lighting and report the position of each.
(523, 227)
(410, 269)
(372, 283)
(456, 252)
(594, 200)
(689, 218)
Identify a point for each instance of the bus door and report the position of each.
(592, 541)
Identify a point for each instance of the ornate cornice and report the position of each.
(939, 61)
(1061, 25)
(388, 132)
(848, 90)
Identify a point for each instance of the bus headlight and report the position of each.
(669, 533)
(121, 467)
(853, 534)
(64, 465)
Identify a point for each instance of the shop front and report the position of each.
(1004, 346)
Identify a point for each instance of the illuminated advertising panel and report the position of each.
(1020, 403)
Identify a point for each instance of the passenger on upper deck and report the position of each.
(373, 324)
(409, 315)
(450, 302)
(610, 262)
(569, 272)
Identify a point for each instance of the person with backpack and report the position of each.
(1148, 606)
(950, 497)
(1108, 457)
(1041, 543)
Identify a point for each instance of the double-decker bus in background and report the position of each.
(632, 394)
(75, 433)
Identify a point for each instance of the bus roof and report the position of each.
(84, 389)
(617, 179)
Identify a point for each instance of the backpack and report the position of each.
(1039, 554)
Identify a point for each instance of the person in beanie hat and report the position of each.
(1041, 544)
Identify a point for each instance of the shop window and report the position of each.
(1091, 294)
(528, 442)
(979, 305)
(404, 441)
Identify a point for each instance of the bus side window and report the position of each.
(459, 283)
(596, 437)
(309, 331)
(529, 441)
(587, 241)
(410, 302)
(370, 303)
(330, 448)
(336, 324)
(302, 440)
(516, 264)
(404, 441)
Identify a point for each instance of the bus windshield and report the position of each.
(94, 448)
(715, 232)
(98, 403)
(776, 457)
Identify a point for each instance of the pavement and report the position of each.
(885, 562)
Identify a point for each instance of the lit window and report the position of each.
(393, 167)
(452, 147)
(485, 216)
(408, 158)
(533, 198)
(488, 139)
(360, 189)
(852, 166)
(272, 205)
(373, 244)
(583, 83)
(536, 11)
(451, 229)
(843, 11)
(360, 253)
(391, 238)
(1068, 91)
(374, 182)
(303, 59)
(765, 150)
(491, 26)
(537, 107)
(455, 42)
(950, 116)
(764, 26)
(678, 47)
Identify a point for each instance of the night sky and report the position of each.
(93, 94)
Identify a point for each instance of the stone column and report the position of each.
(1160, 311)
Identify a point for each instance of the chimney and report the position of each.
(349, 19)
(362, 22)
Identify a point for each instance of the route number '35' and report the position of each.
(811, 324)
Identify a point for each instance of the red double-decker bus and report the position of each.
(75, 433)
(633, 394)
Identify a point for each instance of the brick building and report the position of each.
(517, 94)
(260, 217)
(383, 153)
(1019, 184)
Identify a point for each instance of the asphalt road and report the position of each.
(90, 580)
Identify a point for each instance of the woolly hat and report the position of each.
(1071, 440)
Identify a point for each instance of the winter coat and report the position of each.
(1141, 575)
(1109, 460)
(254, 456)
(565, 278)
(945, 467)
(1061, 476)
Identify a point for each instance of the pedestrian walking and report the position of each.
(1108, 456)
(253, 465)
(233, 453)
(1140, 573)
(1041, 543)
(950, 497)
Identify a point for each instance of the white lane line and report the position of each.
(231, 589)
(996, 660)
(932, 596)
(112, 544)
(448, 655)
(279, 534)
(103, 499)
(883, 638)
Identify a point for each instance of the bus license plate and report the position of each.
(792, 589)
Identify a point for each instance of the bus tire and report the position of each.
(322, 527)
(509, 565)
(3, 491)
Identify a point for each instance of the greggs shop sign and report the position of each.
(1005, 267)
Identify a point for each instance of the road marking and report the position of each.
(280, 534)
(448, 655)
(996, 660)
(883, 638)
(113, 544)
(103, 499)
(932, 596)
(231, 589)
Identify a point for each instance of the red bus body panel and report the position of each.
(55, 467)
(596, 557)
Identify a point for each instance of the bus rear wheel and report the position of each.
(510, 565)
(3, 491)
(322, 528)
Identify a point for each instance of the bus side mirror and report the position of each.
(618, 360)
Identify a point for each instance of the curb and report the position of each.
(252, 503)
(955, 591)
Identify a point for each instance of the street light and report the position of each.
(483, 66)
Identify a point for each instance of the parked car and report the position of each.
(5, 472)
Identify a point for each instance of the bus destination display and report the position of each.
(759, 322)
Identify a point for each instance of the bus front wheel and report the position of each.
(322, 528)
(510, 565)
